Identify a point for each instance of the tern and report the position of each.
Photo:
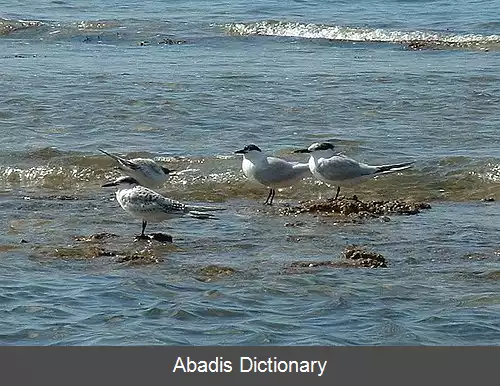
(339, 170)
(147, 205)
(145, 170)
(272, 172)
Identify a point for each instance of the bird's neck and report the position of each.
(321, 155)
(313, 162)
(122, 191)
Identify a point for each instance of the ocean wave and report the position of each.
(413, 39)
(220, 178)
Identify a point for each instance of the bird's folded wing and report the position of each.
(154, 202)
(339, 168)
(278, 169)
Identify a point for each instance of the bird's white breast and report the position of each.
(313, 167)
(248, 168)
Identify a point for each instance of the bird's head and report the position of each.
(249, 149)
(324, 149)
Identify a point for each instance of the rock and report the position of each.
(353, 207)
(160, 237)
(295, 224)
(354, 257)
(96, 237)
(491, 275)
(139, 259)
(418, 45)
(142, 257)
(363, 258)
(87, 252)
(488, 199)
(170, 41)
(65, 198)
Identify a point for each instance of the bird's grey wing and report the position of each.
(281, 170)
(147, 162)
(151, 201)
(338, 168)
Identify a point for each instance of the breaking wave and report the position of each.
(414, 39)
(220, 178)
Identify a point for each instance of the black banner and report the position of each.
(250, 365)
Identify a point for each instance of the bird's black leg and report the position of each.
(338, 191)
(272, 197)
(142, 236)
(268, 197)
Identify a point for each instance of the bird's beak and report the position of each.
(172, 172)
(108, 184)
(302, 151)
(242, 151)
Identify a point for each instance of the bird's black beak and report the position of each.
(168, 171)
(302, 151)
(108, 184)
(242, 151)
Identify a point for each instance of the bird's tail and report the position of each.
(201, 215)
(199, 208)
(393, 168)
(120, 160)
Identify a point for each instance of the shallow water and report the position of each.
(190, 83)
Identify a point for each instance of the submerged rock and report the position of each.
(96, 237)
(145, 256)
(312, 266)
(436, 44)
(8, 247)
(213, 272)
(419, 45)
(87, 252)
(491, 275)
(353, 207)
(353, 257)
(170, 41)
(295, 224)
(125, 254)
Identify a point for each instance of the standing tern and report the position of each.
(147, 205)
(271, 172)
(145, 170)
(340, 170)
